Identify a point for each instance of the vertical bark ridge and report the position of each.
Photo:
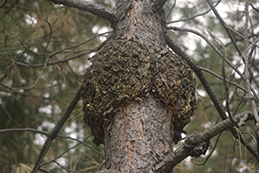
(143, 131)
(142, 24)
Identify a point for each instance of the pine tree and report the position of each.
(138, 89)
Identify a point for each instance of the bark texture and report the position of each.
(143, 131)
(137, 93)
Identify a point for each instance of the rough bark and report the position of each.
(137, 93)
(139, 137)
(139, 21)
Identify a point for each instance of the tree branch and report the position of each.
(3, 3)
(184, 150)
(157, 4)
(208, 88)
(219, 53)
(221, 78)
(224, 25)
(90, 7)
(57, 128)
(193, 17)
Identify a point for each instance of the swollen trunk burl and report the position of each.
(137, 93)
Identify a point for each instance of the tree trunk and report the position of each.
(139, 137)
(137, 92)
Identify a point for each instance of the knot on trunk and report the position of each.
(124, 70)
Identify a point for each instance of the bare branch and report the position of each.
(24, 130)
(208, 88)
(8, 87)
(254, 8)
(200, 75)
(240, 35)
(221, 78)
(219, 53)
(71, 47)
(159, 3)
(90, 7)
(66, 151)
(170, 11)
(55, 62)
(213, 149)
(184, 150)
(193, 17)
(64, 51)
(37, 80)
(79, 142)
(57, 128)
(50, 35)
(246, 61)
(3, 3)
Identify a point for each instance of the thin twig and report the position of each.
(71, 47)
(219, 53)
(245, 132)
(171, 9)
(193, 17)
(57, 128)
(100, 167)
(221, 78)
(65, 51)
(239, 104)
(3, 3)
(226, 84)
(67, 170)
(246, 57)
(208, 88)
(8, 87)
(37, 80)
(56, 62)
(245, 54)
(224, 25)
(254, 8)
(50, 35)
(97, 9)
(240, 35)
(184, 150)
(213, 149)
(65, 152)
(8, 114)
(24, 130)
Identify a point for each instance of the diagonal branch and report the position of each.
(208, 88)
(53, 134)
(224, 25)
(184, 150)
(97, 9)
(157, 4)
(193, 17)
(219, 53)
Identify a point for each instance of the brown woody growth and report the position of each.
(137, 93)
(122, 71)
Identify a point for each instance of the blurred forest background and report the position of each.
(45, 49)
